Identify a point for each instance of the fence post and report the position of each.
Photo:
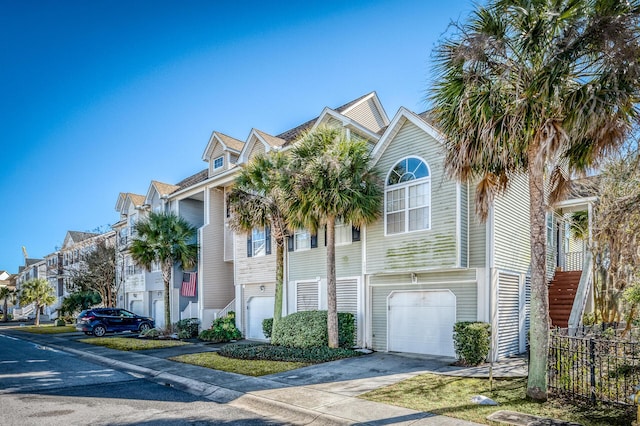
(592, 368)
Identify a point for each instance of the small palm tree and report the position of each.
(257, 199)
(166, 239)
(39, 292)
(333, 181)
(542, 88)
(6, 294)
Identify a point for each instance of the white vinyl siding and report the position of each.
(307, 296)
(508, 315)
(477, 233)
(512, 241)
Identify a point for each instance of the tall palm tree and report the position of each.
(6, 294)
(257, 200)
(166, 239)
(333, 181)
(39, 292)
(538, 87)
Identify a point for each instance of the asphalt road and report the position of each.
(39, 385)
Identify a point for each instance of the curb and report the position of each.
(262, 406)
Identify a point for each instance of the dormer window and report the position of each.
(408, 197)
(218, 163)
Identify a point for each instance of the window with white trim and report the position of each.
(258, 242)
(218, 162)
(343, 232)
(302, 240)
(408, 197)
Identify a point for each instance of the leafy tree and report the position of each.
(616, 236)
(166, 239)
(80, 301)
(541, 87)
(39, 292)
(333, 181)
(257, 200)
(6, 295)
(97, 273)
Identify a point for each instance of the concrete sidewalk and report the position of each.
(322, 394)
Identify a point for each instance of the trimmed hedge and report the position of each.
(267, 326)
(308, 329)
(471, 341)
(261, 351)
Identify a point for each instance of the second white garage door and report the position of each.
(421, 322)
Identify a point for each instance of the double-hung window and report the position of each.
(302, 240)
(343, 232)
(408, 197)
(259, 242)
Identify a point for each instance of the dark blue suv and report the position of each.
(99, 321)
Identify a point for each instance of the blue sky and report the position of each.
(100, 97)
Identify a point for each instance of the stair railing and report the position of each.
(582, 294)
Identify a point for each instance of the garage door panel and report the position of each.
(258, 308)
(422, 322)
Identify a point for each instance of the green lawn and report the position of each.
(48, 329)
(451, 396)
(131, 344)
(240, 366)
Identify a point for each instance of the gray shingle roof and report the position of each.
(201, 176)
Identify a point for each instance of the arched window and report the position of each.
(408, 197)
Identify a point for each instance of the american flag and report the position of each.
(189, 284)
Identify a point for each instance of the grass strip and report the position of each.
(451, 396)
(48, 329)
(131, 344)
(240, 366)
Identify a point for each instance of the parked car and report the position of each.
(99, 321)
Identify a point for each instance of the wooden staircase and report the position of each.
(562, 292)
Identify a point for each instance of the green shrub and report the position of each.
(267, 326)
(282, 353)
(187, 328)
(60, 322)
(308, 329)
(222, 330)
(152, 333)
(471, 341)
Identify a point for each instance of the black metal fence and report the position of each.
(597, 367)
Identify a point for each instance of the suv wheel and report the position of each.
(99, 330)
(144, 327)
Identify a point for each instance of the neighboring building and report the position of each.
(32, 269)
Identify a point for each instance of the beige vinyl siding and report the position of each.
(217, 275)
(257, 148)
(253, 290)
(461, 283)
(429, 249)
(511, 228)
(477, 233)
(312, 263)
(218, 151)
(332, 122)
(253, 269)
(368, 115)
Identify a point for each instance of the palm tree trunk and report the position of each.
(5, 316)
(37, 323)
(332, 304)
(166, 277)
(277, 308)
(539, 332)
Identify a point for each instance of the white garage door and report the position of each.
(258, 308)
(158, 313)
(422, 322)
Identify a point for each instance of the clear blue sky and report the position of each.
(100, 97)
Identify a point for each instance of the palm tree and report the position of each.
(537, 87)
(257, 200)
(166, 239)
(39, 292)
(333, 181)
(6, 294)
